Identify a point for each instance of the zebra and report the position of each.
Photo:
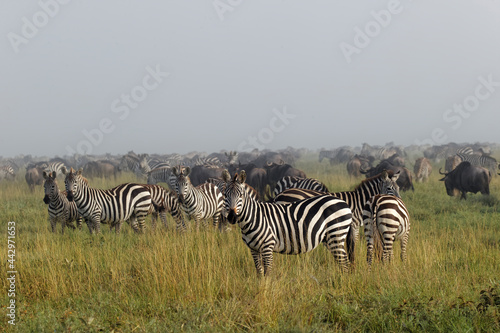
(387, 216)
(384, 183)
(298, 182)
(160, 175)
(132, 162)
(7, 172)
(165, 201)
(60, 209)
(484, 161)
(123, 202)
(422, 169)
(55, 166)
(201, 202)
(287, 228)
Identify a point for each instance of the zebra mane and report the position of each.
(371, 179)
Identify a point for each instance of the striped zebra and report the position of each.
(384, 183)
(7, 172)
(113, 206)
(165, 201)
(422, 169)
(55, 166)
(288, 182)
(60, 209)
(387, 216)
(484, 161)
(287, 228)
(160, 175)
(199, 203)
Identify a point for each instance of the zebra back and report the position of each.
(288, 182)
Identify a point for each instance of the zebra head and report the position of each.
(50, 186)
(181, 183)
(234, 195)
(72, 182)
(389, 185)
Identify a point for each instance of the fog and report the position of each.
(97, 77)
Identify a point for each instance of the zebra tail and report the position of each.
(351, 242)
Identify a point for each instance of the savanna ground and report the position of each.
(205, 280)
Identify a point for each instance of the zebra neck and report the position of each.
(56, 200)
(365, 191)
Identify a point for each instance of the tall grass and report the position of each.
(205, 280)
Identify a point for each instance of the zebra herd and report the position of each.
(302, 214)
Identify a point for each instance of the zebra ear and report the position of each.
(226, 176)
(54, 174)
(187, 171)
(45, 176)
(243, 176)
(63, 170)
(79, 171)
(174, 171)
(384, 175)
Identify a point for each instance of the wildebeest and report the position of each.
(100, 169)
(422, 169)
(358, 162)
(200, 174)
(34, 176)
(404, 181)
(467, 178)
(277, 171)
(256, 177)
(451, 163)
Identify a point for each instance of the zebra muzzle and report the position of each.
(46, 199)
(70, 196)
(232, 217)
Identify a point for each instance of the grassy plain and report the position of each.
(205, 280)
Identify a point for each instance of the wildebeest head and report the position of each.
(50, 186)
(234, 195)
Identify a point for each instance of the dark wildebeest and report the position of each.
(34, 176)
(404, 181)
(200, 174)
(422, 169)
(357, 163)
(256, 177)
(100, 169)
(277, 171)
(466, 178)
(451, 163)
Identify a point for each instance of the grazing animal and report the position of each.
(100, 169)
(357, 163)
(160, 175)
(385, 183)
(34, 176)
(386, 215)
(451, 163)
(297, 182)
(60, 209)
(467, 178)
(113, 206)
(404, 180)
(422, 169)
(7, 172)
(165, 201)
(199, 203)
(484, 161)
(287, 228)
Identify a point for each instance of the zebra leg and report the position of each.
(96, 222)
(79, 222)
(336, 246)
(141, 220)
(267, 260)
(369, 238)
(388, 253)
(257, 259)
(154, 217)
(163, 218)
(180, 224)
(53, 221)
(118, 226)
(404, 242)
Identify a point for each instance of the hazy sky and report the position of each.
(177, 76)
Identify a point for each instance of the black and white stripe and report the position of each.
(7, 172)
(121, 203)
(484, 161)
(160, 175)
(55, 166)
(199, 203)
(288, 182)
(287, 228)
(387, 216)
(165, 201)
(60, 209)
(384, 183)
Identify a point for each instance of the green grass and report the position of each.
(206, 281)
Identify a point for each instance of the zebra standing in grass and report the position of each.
(165, 201)
(55, 166)
(7, 172)
(386, 215)
(123, 202)
(201, 202)
(160, 175)
(60, 209)
(484, 161)
(287, 228)
(288, 182)
(384, 183)
(422, 169)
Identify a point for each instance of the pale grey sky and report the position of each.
(177, 76)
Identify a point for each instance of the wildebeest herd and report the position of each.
(276, 206)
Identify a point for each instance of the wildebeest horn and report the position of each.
(442, 173)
